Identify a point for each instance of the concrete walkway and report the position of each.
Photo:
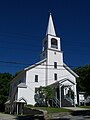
(76, 108)
(7, 117)
(12, 117)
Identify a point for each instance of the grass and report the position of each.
(85, 107)
(51, 109)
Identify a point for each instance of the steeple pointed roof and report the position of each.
(50, 28)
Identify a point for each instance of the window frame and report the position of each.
(54, 43)
(55, 65)
(55, 76)
(36, 78)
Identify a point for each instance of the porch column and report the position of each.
(55, 92)
(75, 94)
(60, 94)
(17, 108)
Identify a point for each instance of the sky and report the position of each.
(23, 25)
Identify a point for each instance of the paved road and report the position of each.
(70, 117)
(67, 117)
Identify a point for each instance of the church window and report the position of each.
(36, 78)
(55, 76)
(54, 43)
(55, 64)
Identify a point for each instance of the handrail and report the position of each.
(69, 99)
(56, 102)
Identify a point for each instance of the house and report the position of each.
(49, 71)
(81, 98)
(84, 99)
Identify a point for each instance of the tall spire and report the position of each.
(50, 28)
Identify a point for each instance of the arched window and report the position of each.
(54, 43)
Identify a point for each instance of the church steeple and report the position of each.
(51, 43)
(50, 28)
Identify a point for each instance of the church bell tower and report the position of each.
(51, 44)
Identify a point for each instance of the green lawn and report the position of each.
(51, 109)
(85, 107)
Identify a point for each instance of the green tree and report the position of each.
(83, 82)
(44, 94)
(5, 79)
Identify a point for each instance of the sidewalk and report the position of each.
(7, 117)
(27, 117)
(79, 111)
(76, 108)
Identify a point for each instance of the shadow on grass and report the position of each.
(82, 112)
(61, 119)
(30, 117)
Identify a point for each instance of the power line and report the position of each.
(13, 43)
(13, 62)
(25, 34)
(15, 47)
(29, 35)
(44, 81)
(50, 79)
(21, 63)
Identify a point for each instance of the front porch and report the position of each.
(64, 94)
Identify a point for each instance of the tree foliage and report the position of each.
(43, 95)
(5, 79)
(83, 82)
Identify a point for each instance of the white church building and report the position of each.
(49, 71)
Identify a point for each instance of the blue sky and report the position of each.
(23, 25)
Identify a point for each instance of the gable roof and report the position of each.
(60, 82)
(34, 65)
(71, 71)
(21, 100)
(42, 61)
(63, 80)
